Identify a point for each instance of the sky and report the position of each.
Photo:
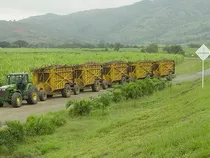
(19, 9)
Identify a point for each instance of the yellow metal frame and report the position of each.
(164, 67)
(87, 74)
(140, 69)
(52, 79)
(116, 71)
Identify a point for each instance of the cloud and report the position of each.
(25, 8)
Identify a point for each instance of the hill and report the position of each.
(167, 124)
(160, 21)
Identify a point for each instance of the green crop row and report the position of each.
(23, 60)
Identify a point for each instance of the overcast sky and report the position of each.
(19, 9)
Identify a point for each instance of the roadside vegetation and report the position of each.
(17, 132)
(168, 123)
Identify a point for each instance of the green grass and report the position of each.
(171, 123)
(191, 65)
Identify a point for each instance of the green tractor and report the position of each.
(18, 89)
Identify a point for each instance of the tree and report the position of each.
(21, 43)
(4, 44)
(152, 48)
(117, 46)
(193, 45)
(174, 49)
(101, 44)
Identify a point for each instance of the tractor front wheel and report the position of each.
(16, 100)
(32, 95)
(42, 95)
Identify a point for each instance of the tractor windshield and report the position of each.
(16, 79)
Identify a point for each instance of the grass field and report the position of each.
(171, 123)
(191, 65)
(19, 60)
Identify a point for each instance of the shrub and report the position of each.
(132, 91)
(174, 49)
(57, 119)
(6, 139)
(39, 125)
(117, 94)
(16, 130)
(152, 48)
(79, 108)
(103, 101)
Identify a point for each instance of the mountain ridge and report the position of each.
(147, 21)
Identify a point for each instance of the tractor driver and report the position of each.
(20, 83)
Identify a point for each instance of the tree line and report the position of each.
(25, 44)
(151, 48)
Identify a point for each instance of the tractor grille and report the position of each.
(2, 93)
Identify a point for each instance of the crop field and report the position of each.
(23, 60)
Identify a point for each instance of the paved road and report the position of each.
(53, 104)
(190, 77)
(58, 103)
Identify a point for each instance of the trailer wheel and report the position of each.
(123, 80)
(104, 85)
(42, 95)
(49, 95)
(32, 95)
(148, 76)
(16, 100)
(96, 86)
(1, 104)
(66, 92)
(129, 80)
(76, 90)
(170, 76)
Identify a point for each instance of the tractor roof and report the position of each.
(15, 74)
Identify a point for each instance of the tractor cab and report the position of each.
(20, 79)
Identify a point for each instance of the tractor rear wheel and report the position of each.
(1, 104)
(76, 90)
(16, 100)
(96, 86)
(32, 95)
(66, 92)
(42, 95)
(104, 85)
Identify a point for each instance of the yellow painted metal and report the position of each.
(163, 68)
(87, 74)
(53, 78)
(114, 71)
(34, 95)
(140, 69)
